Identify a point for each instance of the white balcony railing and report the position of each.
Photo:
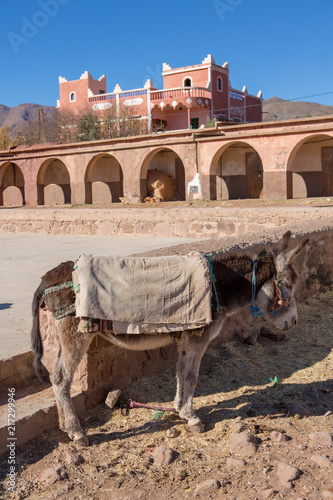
(180, 92)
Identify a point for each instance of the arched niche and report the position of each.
(53, 183)
(236, 173)
(12, 186)
(310, 168)
(169, 162)
(103, 180)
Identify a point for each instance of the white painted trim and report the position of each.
(150, 121)
(122, 92)
(240, 92)
(194, 68)
(178, 88)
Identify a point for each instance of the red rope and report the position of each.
(134, 404)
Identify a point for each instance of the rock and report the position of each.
(243, 335)
(235, 462)
(287, 473)
(52, 475)
(162, 456)
(266, 494)
(299, 409)
(73, 458)
(172, 433)
(302, 447)
(279, 436)
(327, 494)
(239, 427)
(328, 413)
(314, 395)
(181, 474)
(287, 486)
(322, 438)
(322, 461)
(112, 398)
(244, 444)
(276, 336)
(207, 486)
(251, 339)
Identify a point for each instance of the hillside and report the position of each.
(279, 109)
(17, 117)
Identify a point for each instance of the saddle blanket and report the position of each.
(144, 294)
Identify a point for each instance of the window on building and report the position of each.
(219, 84)
(194, 122)
(72, 96)
(187, 82)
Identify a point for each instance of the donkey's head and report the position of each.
(276, 295)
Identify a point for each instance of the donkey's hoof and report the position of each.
(196, 427)
(81, 441)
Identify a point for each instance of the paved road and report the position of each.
(25, 258)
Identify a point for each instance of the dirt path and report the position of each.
(241, 389)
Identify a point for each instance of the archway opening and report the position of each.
(104, 180)
(53, 183)
(310, 168)
(12, 186)
(163, 166)
(236, 173)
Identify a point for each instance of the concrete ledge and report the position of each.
(171, 221)
(35, 414)
(17, 371)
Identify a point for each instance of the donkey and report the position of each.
(265, 282)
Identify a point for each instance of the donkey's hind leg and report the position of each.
(72, 347)
(190, 351)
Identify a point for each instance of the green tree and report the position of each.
(210, 123)
(88, 127)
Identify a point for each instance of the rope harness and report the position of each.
(219, 308)
(66, 311)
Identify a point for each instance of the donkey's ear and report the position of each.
(292, 253)
(284, 242)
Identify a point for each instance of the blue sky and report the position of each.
(282, 47)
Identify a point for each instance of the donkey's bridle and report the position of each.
(255, 310)
(278, 298)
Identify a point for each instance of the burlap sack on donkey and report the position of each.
(144, 294)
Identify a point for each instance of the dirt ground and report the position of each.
(242, 388)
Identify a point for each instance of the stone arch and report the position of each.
(236, 172)
(168, 161)
(104, 180)
(53, 183)
(310, 167)
(12, 185)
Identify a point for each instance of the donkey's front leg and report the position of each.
(190, 351)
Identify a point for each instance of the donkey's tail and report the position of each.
(36, 339)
